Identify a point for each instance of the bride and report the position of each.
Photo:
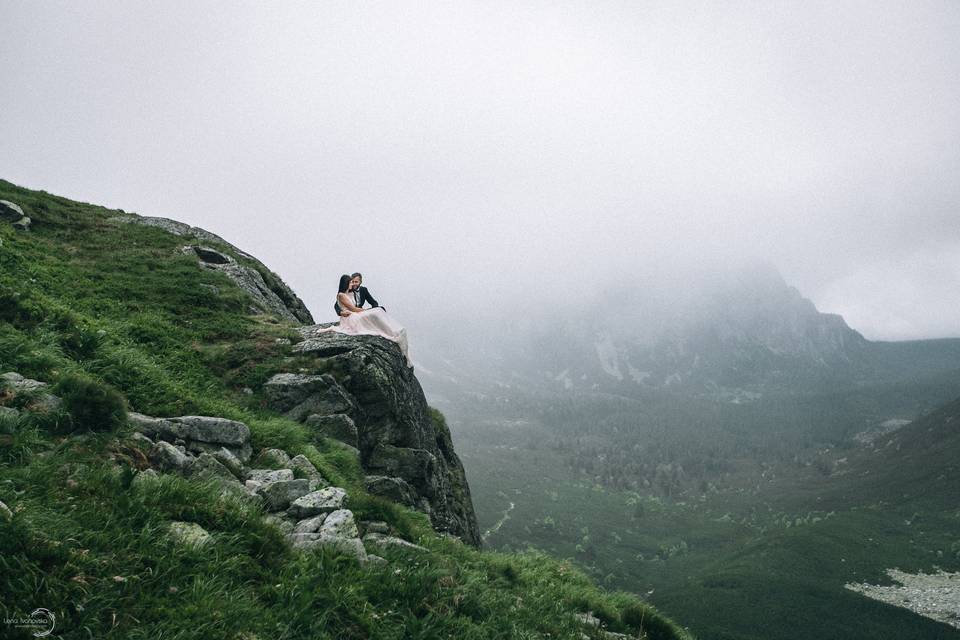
(371, 322)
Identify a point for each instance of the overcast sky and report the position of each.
(453, 151)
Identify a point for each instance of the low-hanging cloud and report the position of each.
(493, 158)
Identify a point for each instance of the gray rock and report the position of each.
(285, 525)
(277, 496)
(277, 458)
(341, 524)
(206, 466)
(144, 478)
(214, 430)
(376, 526)
(392, 488)
(10, 212)
(228, 459)
(189, 534)
(300, 463)
(338, 426)
(398, 434)
(9, 412)
(154, 428)
(260, 477)
(138, 438)
(5, 512)
(324, 500)
(346, 546)
(417, 466)
(376, 561)
(385, 541)
(167, 457)
(298, 395)
(23, 224)
(310, 525)
(199, 434)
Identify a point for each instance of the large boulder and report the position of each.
(199, 433)
(338, 426)
(277, 496)
(397, 434)
(324, 500)
(12, 213)
(299, 396)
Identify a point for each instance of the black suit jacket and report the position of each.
(364, 297)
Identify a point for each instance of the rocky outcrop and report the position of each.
(12, 213)
(268, 291)
(309, 517)
(370, 399)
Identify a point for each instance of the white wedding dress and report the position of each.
(375, 322)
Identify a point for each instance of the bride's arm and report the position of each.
(347, 303)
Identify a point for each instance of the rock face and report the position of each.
(397, 435)
(269, 292)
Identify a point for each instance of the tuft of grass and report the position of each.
(92, 405)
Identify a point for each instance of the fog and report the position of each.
(479, 160)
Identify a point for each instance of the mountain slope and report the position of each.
(115, 315)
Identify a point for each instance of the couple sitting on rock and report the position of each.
(355, 320)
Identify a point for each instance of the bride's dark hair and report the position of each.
(344, 283)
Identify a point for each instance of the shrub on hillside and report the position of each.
(92, 405)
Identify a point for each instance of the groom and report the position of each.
(360, 295)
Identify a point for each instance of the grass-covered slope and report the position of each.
(115, 317)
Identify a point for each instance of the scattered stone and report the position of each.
(340, 523)
(140, 439)
(384, 541)
(230, 461)
(215, 290)
(325, 500)
(5, 512)
(10, 212)
(143, 478)
(199, 434)
(277, 496)
(23, 224)
(300, 463)
(20, 384)
(276, 458)
(347, 546)
(310, 525)
(9, 412)
(588, 619)
(189, 533)
(375, 560)
(206, 466)
(266, 476)
(42, 401)
(392, 488)
(935, 595)
(338, 426)
(375, 526)
(285, 525)
(167, 457)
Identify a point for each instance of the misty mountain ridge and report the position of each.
(731, 335)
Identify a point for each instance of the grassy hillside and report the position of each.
(764, 560)
(95, 307)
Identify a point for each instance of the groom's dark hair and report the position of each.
(344, 283)
(357, 275)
